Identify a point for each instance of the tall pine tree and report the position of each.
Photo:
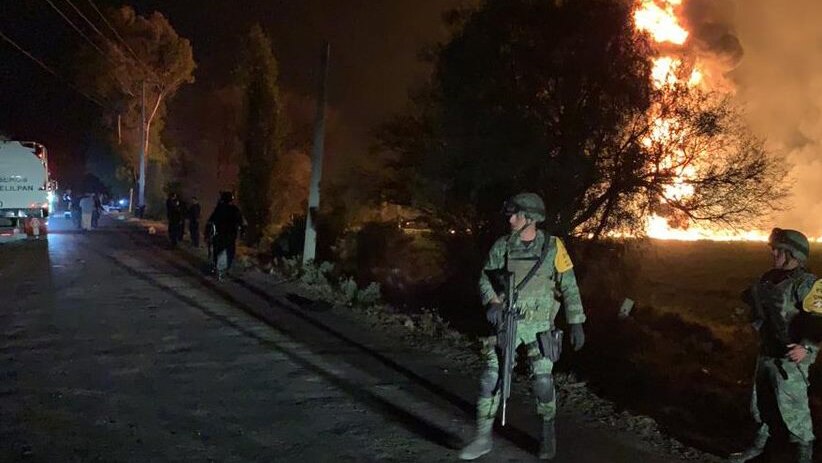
(263, 130)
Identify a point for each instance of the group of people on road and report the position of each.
(784, 302)
(85, 211)
(224, 226)
(177, 213)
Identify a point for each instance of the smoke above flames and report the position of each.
(769, 55)
(780, 81)
(712, 28)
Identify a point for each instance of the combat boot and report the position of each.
(804, 452)
(483, 442)
(548, 445)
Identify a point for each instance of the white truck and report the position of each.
(25, 190)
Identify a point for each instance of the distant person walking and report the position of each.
(76, 213)
(86, 210)
(174, 214)
(98, 209)
(66, 201)
(228, 223)
(181, 230)
(193, 214)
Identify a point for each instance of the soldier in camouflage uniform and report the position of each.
(783, 302)
(539, 301)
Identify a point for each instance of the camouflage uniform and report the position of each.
(539, 302)
(780, 392)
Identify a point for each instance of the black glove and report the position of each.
(494, 313)
(577, 336)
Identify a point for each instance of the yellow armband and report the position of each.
(562, 261)
(813, 301)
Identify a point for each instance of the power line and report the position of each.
(49, 70)
(120, 38)
(116, 34)
(106, 39)
(87, 20)
(99, 50)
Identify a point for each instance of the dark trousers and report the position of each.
(194, 231)
(174, 232)
(227, 244)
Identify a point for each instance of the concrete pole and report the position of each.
(310, 247)
(141, 182)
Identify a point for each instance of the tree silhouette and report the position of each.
(556, 98)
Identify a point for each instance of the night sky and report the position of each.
(375, 44)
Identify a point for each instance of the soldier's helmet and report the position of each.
(792, 241)
(530, 204)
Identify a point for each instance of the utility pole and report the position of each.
(141, 182)
(310, 246)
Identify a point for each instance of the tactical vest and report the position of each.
(538, 299)
(779, 306)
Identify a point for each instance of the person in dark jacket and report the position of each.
(193, 214)
(228, 223)
(98, 209)
(174, 214)
(76, 212)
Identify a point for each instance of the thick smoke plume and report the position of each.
(713, 40)
(770, 55)
(780, 79)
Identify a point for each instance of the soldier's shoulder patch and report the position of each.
(562, 261)
(813, 301)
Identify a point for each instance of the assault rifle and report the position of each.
(507, 339)
(503, 282)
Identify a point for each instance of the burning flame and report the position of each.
(664, 71)
(658, 19)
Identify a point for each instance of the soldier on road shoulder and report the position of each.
(545, 281)
(784, 302)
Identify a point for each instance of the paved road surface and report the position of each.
(109, 351)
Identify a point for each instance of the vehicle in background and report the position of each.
(116, 206)
(26, 191)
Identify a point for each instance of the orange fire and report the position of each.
(659, 19)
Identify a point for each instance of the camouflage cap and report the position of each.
(791, 240)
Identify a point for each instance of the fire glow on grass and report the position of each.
(659, 19)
